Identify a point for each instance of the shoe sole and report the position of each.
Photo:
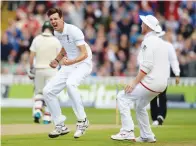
(55, 136)
(145, 141)
(133, 140)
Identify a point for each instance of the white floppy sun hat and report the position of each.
(151, 22)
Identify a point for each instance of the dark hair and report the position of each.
(52, 11)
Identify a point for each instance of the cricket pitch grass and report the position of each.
(18, 129)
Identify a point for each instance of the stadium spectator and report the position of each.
(106, 21)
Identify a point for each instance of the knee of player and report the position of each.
(138, 107)
(120, 95)
(70, 84)
(45, 92)
(38, 97)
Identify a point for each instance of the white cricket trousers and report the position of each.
(68, 77)
(141, 97)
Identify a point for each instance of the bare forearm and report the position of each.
(61, 54)
(31, 59)
(81, 57)
(139, 77)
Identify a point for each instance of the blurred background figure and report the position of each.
(158, 106)
(43, 49)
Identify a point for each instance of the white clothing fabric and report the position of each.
(174, 64)
(173, 59)
(141, 97)
(46, 46)
(70, 38)
(154, 61)
(68, 77)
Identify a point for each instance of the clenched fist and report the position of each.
(65, 61)
(53, 63)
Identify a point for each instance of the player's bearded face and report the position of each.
(56, 22)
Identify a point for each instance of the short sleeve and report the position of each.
(33, 45)
(78, 36)
(59, 46)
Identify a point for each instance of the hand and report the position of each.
(65, 61)
(53, 63)
(31, 73)
(177, 80)
(129, 88)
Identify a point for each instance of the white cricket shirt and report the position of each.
(70, 38)
(46, 47)
(172, 59)
(154, 61)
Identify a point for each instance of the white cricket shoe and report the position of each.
(59, 130)
(155, 123)
(124, 135)
(81, 128)
(141, 139)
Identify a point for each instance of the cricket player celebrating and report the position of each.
(43, 49)
(150, 81)
(76, 58)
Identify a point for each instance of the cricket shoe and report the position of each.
(59, 130)
(155, 123)
(46, 122)
(37, 117)
(150, 140)
(160, 119)
(81, 127)
(124, 135)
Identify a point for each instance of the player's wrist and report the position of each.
(56, 60)
(74, 61)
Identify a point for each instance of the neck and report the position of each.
(61, 30)
(147, 31)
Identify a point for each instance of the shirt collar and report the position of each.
(47, 34)
(64, 30)
(149, 34)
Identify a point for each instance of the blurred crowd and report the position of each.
(112, 28)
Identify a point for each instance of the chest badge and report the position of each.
(68, 39)
(144, 48)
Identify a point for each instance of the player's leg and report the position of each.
(127, 130)
(46, 115)
(38, 97)
(154, 111)
(50, 91)
(144, 97)
(78, 74)
(162, 107)
(37, 107)
(48, 73)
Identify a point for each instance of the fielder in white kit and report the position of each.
(76, 59)
(152, 79)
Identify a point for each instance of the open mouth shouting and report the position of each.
(55, 25)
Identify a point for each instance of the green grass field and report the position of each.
(178, 129)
